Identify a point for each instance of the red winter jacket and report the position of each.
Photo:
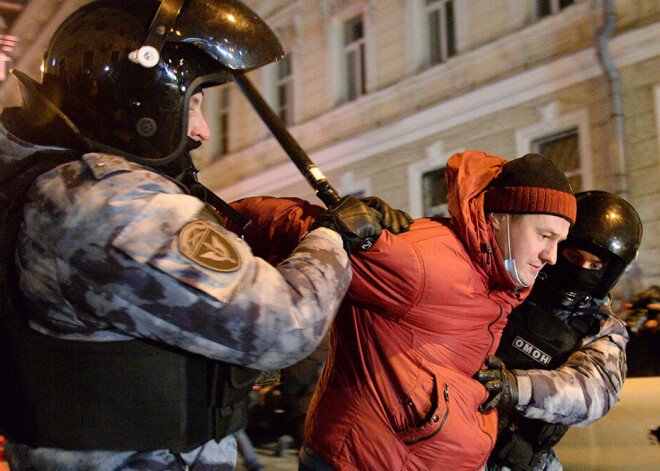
(424, 310)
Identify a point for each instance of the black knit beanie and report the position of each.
(531, 184)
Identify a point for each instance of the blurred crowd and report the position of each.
(642, 315)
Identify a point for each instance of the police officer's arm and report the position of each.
(205, 292)
(279, 223)
(124, 254)
(584, 388)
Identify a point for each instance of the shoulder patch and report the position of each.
(205, 245)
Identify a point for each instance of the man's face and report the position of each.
(533, 240)
(198, 128)
(582, 258)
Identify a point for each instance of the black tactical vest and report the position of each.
(535, 339)
(134, 395)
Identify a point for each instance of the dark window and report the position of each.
(550, 7)
(285, 90)
(441, 30)
(355, 52)
(10, 11)
(434, 193)
(564, 149)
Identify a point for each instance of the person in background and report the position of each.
(133, 323)
(642, 316)
(424, 309)
(562, 358)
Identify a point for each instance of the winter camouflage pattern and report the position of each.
(580, 391)
(210, 457)
(584, 388)
(110, 250)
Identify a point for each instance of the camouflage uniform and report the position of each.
(584, 388)
(110, 250)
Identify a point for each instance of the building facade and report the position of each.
(380, 93)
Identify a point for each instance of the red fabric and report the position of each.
(424, 310)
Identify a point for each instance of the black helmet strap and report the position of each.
(148, 54)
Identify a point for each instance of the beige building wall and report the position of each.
(513, 79)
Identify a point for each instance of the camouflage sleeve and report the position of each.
(125, 254)
(584, 388)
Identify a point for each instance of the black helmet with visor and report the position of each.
(608, 227)
(120, 73)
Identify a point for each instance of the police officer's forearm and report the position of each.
(583, 389)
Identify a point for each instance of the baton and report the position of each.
(311, 172)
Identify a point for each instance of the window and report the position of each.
(563, 148)
(550, 7)
(350, 185)
(427, 183)
(285, 90)
(434, 193)
(441, 31)
(354, 53)
(223, 122)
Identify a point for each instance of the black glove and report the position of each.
(357, 224)
(394, 220)
(500, 382)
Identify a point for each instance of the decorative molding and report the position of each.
(549, 113)
(628, 48)
(348, 184)
(346, 8)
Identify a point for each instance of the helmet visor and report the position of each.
(229, 32)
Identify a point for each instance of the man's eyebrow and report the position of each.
(552, 232)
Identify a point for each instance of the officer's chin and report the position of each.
(183, 164)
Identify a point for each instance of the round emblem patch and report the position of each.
(203, 244)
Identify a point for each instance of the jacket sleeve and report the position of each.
(380, 279)
(277, 224)
(584, 388)
(388, 278)
(128, 255)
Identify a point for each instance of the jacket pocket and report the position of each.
(434, 420)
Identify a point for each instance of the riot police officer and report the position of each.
(148, 319)
(562, 361)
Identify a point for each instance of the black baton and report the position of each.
(311, 172)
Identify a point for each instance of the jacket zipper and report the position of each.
(435, 418)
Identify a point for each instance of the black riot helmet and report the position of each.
(120, 73)
(606, 226)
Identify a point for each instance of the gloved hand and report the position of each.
(500, 382)
(394, 220)
(357, 224)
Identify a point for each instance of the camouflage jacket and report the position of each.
(580, 391)
(110, 250)
(586, 386)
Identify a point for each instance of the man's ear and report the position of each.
(496, 219)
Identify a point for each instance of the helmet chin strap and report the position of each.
(510, 263)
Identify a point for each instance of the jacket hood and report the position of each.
(468, 175)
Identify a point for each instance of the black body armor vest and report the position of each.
(535, 339)
(135, 395)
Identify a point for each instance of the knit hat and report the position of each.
(531, 184)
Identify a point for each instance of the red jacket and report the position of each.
(424, 310)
